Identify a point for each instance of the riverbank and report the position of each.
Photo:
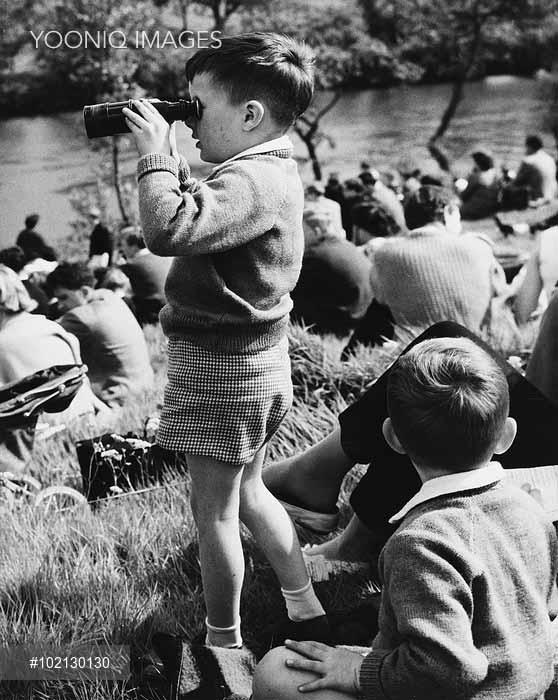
(46, 158)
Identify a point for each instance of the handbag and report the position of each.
(51, 390)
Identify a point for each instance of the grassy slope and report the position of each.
(117, 574)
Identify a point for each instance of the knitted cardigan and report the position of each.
(429, 275)
(237, 243)
(468, 594)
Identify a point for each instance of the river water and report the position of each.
(44, 157)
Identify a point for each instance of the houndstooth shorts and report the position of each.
(224, 406)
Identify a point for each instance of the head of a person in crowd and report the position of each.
(13, 257)
(391, 178)
(483, 161)
(116, 280)
(313, 192)
(448, 407)
(428, 179)
(353, 186)
(31, 220)
(252, 88)
(132, 243)
(333, 179)
(14, 298)
(94, 215)
(533, 143)
(433, 205)
(369, 177)
(73, 284)
(411, 172)
(375, 219)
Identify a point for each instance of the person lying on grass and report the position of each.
(468, 576)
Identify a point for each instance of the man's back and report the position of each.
(333, 290)
(469, 589)
(147, 273)
(429, 276)
(538, 171)
(112, 345)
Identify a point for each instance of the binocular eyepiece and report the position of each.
(106, 119)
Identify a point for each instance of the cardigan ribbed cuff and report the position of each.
(369, 678)
(154, 162)
(183, 171)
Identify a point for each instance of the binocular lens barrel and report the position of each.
(107, 119)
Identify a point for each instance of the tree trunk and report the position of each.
(184, 6)
(116, 179)
(309, 143)
(308, 137)
(219, 15)
(457, 90)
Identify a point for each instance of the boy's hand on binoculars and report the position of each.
(151, 131)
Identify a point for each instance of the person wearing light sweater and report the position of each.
(432, 273)
(469, 576)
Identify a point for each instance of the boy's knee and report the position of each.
(271, 676)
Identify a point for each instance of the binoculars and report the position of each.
(106, 119)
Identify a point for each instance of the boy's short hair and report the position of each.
(72, 276)
(270, 67)
(448, 402)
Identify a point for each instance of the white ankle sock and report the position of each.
(302, 604)
(228, 637)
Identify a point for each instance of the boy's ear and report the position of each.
(507, 437)
(391, 438)
(253, 114)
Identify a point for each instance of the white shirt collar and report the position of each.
(452, 483)
(279, 144)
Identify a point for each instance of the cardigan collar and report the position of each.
(452, 483)
(281, 147)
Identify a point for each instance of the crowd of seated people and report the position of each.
(418, 278)
(55, 313)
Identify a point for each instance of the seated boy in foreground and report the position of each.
(468, 577)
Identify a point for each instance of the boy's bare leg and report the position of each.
(312, 479)
(274, 532)
(215, 505)
(273, 680)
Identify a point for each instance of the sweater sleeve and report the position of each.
(236, 206)
(431, 611)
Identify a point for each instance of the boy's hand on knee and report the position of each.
(151, 131)
(339, 669)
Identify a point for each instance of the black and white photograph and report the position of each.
(279, 350)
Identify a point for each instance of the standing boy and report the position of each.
(237, 243)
